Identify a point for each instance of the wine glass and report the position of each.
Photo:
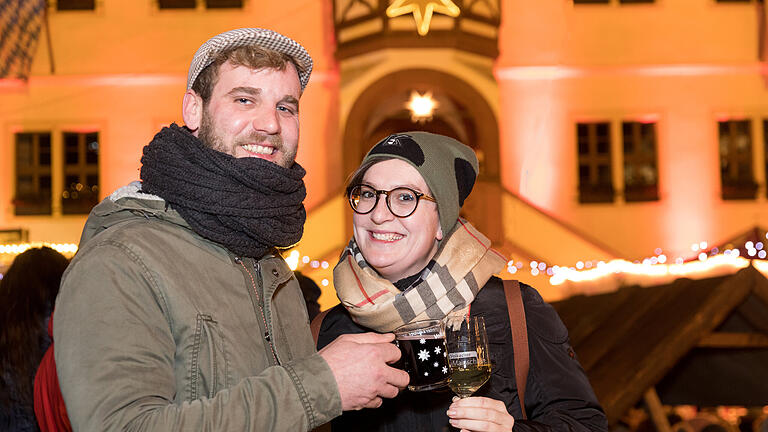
(468, 359)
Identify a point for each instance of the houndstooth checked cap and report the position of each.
(250, 36)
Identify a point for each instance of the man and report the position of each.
(176, 313)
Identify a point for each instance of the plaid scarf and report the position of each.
(461, 267)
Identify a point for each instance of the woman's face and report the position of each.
(397, 247)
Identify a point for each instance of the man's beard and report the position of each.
(207, 135)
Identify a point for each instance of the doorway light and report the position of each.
(422, 107)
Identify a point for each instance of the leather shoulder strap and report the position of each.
(519, 337)
(316, 323)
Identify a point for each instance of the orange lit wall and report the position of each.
(122, 69)
(683, 63)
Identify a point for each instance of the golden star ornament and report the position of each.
(422, 11)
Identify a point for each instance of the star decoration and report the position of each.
(445, 370)
(437, 350)
(423, 355)
(422, 341)
(436, 364)
(422, 11)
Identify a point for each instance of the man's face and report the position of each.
(254, 113)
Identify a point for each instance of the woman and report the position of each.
(412, 258)
(27, 293)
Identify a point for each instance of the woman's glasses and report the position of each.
(402, 201)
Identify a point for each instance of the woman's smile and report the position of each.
(397, 247)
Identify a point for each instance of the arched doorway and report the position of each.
(462, 113)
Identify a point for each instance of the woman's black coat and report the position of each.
(558, 395)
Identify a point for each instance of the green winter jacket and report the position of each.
(159, 329)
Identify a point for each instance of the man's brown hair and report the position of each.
(251, 56)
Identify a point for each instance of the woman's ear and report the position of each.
(192, 111)
(439, 235)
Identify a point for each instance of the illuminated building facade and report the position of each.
(605, 129)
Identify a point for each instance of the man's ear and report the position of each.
(439, 235)
(192, 111)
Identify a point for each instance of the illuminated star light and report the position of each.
(422, 107)
(422, 11)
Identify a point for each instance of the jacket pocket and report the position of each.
(209, 365)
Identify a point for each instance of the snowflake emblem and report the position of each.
(435, 364)
(426, 373)
(422, 341)
(445, 370)
(423, 355)
(394, 139)
(437, 350)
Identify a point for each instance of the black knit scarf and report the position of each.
(248, 205)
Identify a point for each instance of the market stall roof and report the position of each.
(702, 342)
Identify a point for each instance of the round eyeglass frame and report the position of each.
(380, 192)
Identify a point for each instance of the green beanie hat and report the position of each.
(448, 167)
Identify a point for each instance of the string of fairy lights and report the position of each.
(294, 257)
(658, 265)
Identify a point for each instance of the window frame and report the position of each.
(56, 130)
(732, 189)
(594, 192)
(83, 170)
(39, 203)
(640, 193)
(75, 5)
(200, 4)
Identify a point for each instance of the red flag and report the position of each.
(20, 23)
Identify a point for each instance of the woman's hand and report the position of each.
(480, 414)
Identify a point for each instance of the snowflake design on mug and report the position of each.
(423, 355)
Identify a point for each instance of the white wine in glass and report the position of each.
(468, 359)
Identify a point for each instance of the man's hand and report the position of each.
(360, 365)
(480, 414)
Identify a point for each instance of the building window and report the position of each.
(765, 146)
(641, 174)
(64, 5)
(192, 4)
(736, 176)
(176, 4)
(594, 147)
(220, 4)
(33, 173)
(609, 1)
(81, 172)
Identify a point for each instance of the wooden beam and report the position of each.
(658, 415)
(618, 397)
(734, 340)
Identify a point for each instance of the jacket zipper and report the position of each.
(267, 336)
